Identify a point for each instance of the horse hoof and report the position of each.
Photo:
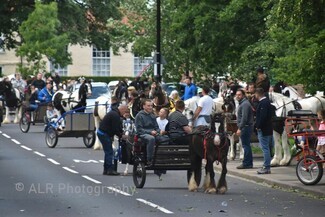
(192, 189)
(222, 190)
(125, 173)
(274, 162)
(211, 191)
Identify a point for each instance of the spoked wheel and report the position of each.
(89, 139)
(309, 171)
(139, 174)
(51, 137)
(24, 123)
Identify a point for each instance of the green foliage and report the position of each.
(40, 38)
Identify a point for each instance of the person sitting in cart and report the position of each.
(321, 139)
(33, 99)
(178, 125)
(45, 95)
(52, 117)
(147, 127)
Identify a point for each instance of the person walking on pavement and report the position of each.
(111, 125)
(245, 128)
(263, 125)
(190, 89)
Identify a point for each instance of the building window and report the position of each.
(101, 62)
(141, 64)
(63, 71)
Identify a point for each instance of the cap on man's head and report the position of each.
(260, 69)
(131, 88)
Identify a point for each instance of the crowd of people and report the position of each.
(157, 115)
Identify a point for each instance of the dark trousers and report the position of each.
(245, 137)
(108, 150)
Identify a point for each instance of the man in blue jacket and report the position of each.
(190, 89)
(264, 113)
(45, 95)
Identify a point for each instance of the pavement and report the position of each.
(283, 177)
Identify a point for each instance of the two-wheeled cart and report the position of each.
(166, 157)
(32, 117)
(301, 125)
(77, 124)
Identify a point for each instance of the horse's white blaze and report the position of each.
(216, 140)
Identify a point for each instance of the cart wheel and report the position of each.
(309, 171)
(24, 123)
(89, 139)
(139, 174)
(51, 137)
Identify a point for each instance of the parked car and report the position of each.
(112, 85)
(98, 89)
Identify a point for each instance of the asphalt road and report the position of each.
(67, 181)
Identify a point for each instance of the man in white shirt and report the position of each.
(203, 112)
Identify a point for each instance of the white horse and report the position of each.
(13, 99)
(283, 105)
(102, 106)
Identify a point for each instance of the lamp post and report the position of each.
(158, 42)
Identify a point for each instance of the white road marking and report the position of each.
(119, 191)
(5, 135)
(155, 206)
(38, 153)
(83, 161)
(70, 170)
(92, 180)
(53, 161)
(25, 147)
(15, 141)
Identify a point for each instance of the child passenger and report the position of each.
(162, 120)
(52, 116)
(321, 139)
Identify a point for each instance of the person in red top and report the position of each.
(321, 139)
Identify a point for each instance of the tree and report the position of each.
(84, 21)
(44, 39)
(205, 37)
(12, 14)
(293, 46)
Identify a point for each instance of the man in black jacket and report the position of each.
(264, 128)
(111, 125)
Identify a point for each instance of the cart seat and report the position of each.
(301, 113)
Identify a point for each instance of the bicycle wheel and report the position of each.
(139, 174)
(309, 171)
(51, 137)
(24, 123)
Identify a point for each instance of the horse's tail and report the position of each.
(96, 110)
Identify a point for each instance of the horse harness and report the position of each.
(208, 134)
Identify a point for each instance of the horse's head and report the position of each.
(229, 105)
